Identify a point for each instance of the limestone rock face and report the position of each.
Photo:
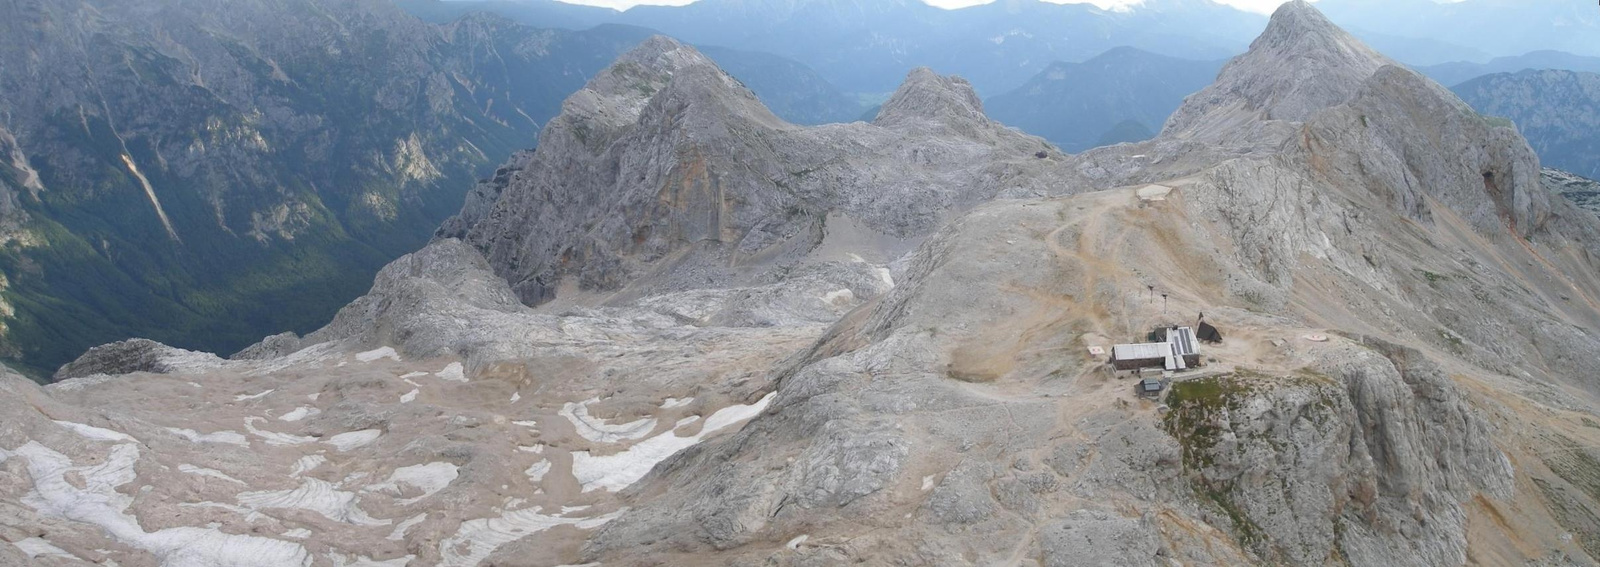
(1415, 140)
(1369, 461)
(183, 170)
(131, 356)
(666, 165)
(883, 344)
(935, 104)
(1581, 191)
(1302, 63)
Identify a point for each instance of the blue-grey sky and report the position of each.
(1262, 6)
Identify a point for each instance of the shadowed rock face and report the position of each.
(201, 173)
(901, 374)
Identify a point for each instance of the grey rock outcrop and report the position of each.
(133, 355)
(1301, 64)
(665, 165)
(1370, 461)
(1581, 191)
(1417, 140)
(1374, 456)
(305, 143)
(1401, 385)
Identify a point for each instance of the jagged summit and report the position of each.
(664, 161)
(1302, 63)
(931, 101)
(618, 95)
(1405, 381)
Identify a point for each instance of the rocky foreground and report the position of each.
(684, 332)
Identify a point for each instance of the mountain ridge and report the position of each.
(740, 341)
(189, 170)
(1553, 109)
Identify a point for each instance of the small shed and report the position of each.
(1150, 387)
(1209, 333)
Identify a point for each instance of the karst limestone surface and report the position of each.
(684, 332)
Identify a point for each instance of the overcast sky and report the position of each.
(1262, 6)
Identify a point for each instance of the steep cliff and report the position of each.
(201, 174)
(1406, 375)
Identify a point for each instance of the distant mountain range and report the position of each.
(1489, 27)
(866, 46)
(1558, 111)
(205, 174)
(1123, 95)
(1455, 73)
(998, 46)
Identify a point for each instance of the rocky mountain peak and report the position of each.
(645, 69)
(1302, 63)
(618, 96)
(927, 100)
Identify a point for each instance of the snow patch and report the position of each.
(100, 504)
(538, 470)
(377, 353)
(597, 430)
(228, 437)
(37, 547)
(299, 413)
(316, 496)
(400, 529)
(96, 433)
(297, 533)
(475, 540)
(307, 464)
(429, 478)
(211, 473)
(515, 396)
(354, 439)
(250, 516)
(247, 397)
(671, 403)
(273, 437)
(453, 372)
(618, 471)
(407, 397)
